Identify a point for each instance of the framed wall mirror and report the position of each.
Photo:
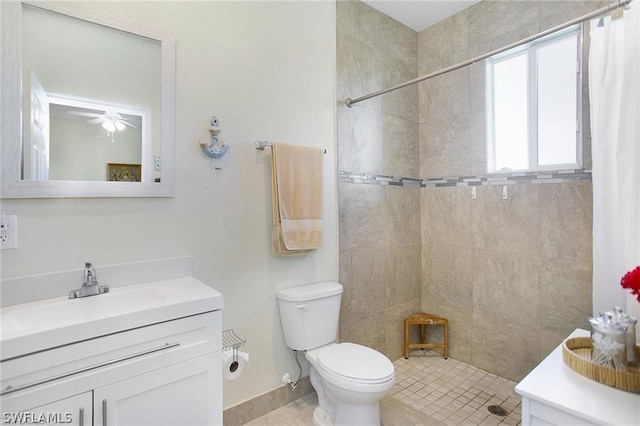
(101, 92)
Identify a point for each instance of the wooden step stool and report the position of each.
(423, 320)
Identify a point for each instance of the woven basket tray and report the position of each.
(576, 353)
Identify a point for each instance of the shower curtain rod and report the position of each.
(621, 3)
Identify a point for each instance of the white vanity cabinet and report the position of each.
(554, 394)
(74, 411)
(181, 394)
(167, 372)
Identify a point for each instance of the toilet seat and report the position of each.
(354, 364)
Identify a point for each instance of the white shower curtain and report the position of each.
(614, 85)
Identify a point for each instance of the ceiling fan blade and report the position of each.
(96, 120)
(127, 123)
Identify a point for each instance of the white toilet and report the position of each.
(349, 379)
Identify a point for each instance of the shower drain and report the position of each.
(497, 410)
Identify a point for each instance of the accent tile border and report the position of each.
(556, 176)
(354, 177)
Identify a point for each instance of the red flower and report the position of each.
(631, 281)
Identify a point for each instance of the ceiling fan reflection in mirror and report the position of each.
(110, 119)
(114, 118)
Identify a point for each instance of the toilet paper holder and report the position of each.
(230, 340)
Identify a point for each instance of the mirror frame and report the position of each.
(10, 115)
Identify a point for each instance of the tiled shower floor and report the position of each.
(429, 390)
(453, 392)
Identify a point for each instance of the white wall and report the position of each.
(266, 69)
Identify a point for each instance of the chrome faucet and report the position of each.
(90, 285)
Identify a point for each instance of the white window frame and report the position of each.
(532, 101)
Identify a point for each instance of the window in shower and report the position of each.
(534, 105)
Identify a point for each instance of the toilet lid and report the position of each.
(356, 362)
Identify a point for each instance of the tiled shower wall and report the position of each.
(379, 224)
(512, 276)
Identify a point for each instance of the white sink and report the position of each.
(36, 326)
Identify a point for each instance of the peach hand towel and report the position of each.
(296, 183)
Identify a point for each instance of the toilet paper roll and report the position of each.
(233, 368)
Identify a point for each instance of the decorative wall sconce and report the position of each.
(214, 148)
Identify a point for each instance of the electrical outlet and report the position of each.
(9, 232)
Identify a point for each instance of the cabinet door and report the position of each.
(188, 393)
(74, 411)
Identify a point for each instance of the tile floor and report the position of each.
(453, 392)
(429, 390)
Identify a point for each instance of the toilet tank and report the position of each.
(310, 314)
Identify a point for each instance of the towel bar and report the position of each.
(261, 145)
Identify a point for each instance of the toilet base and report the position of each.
(320, 418)
(345, 403)
(357, 414)
(351, 416)
(339, 407)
